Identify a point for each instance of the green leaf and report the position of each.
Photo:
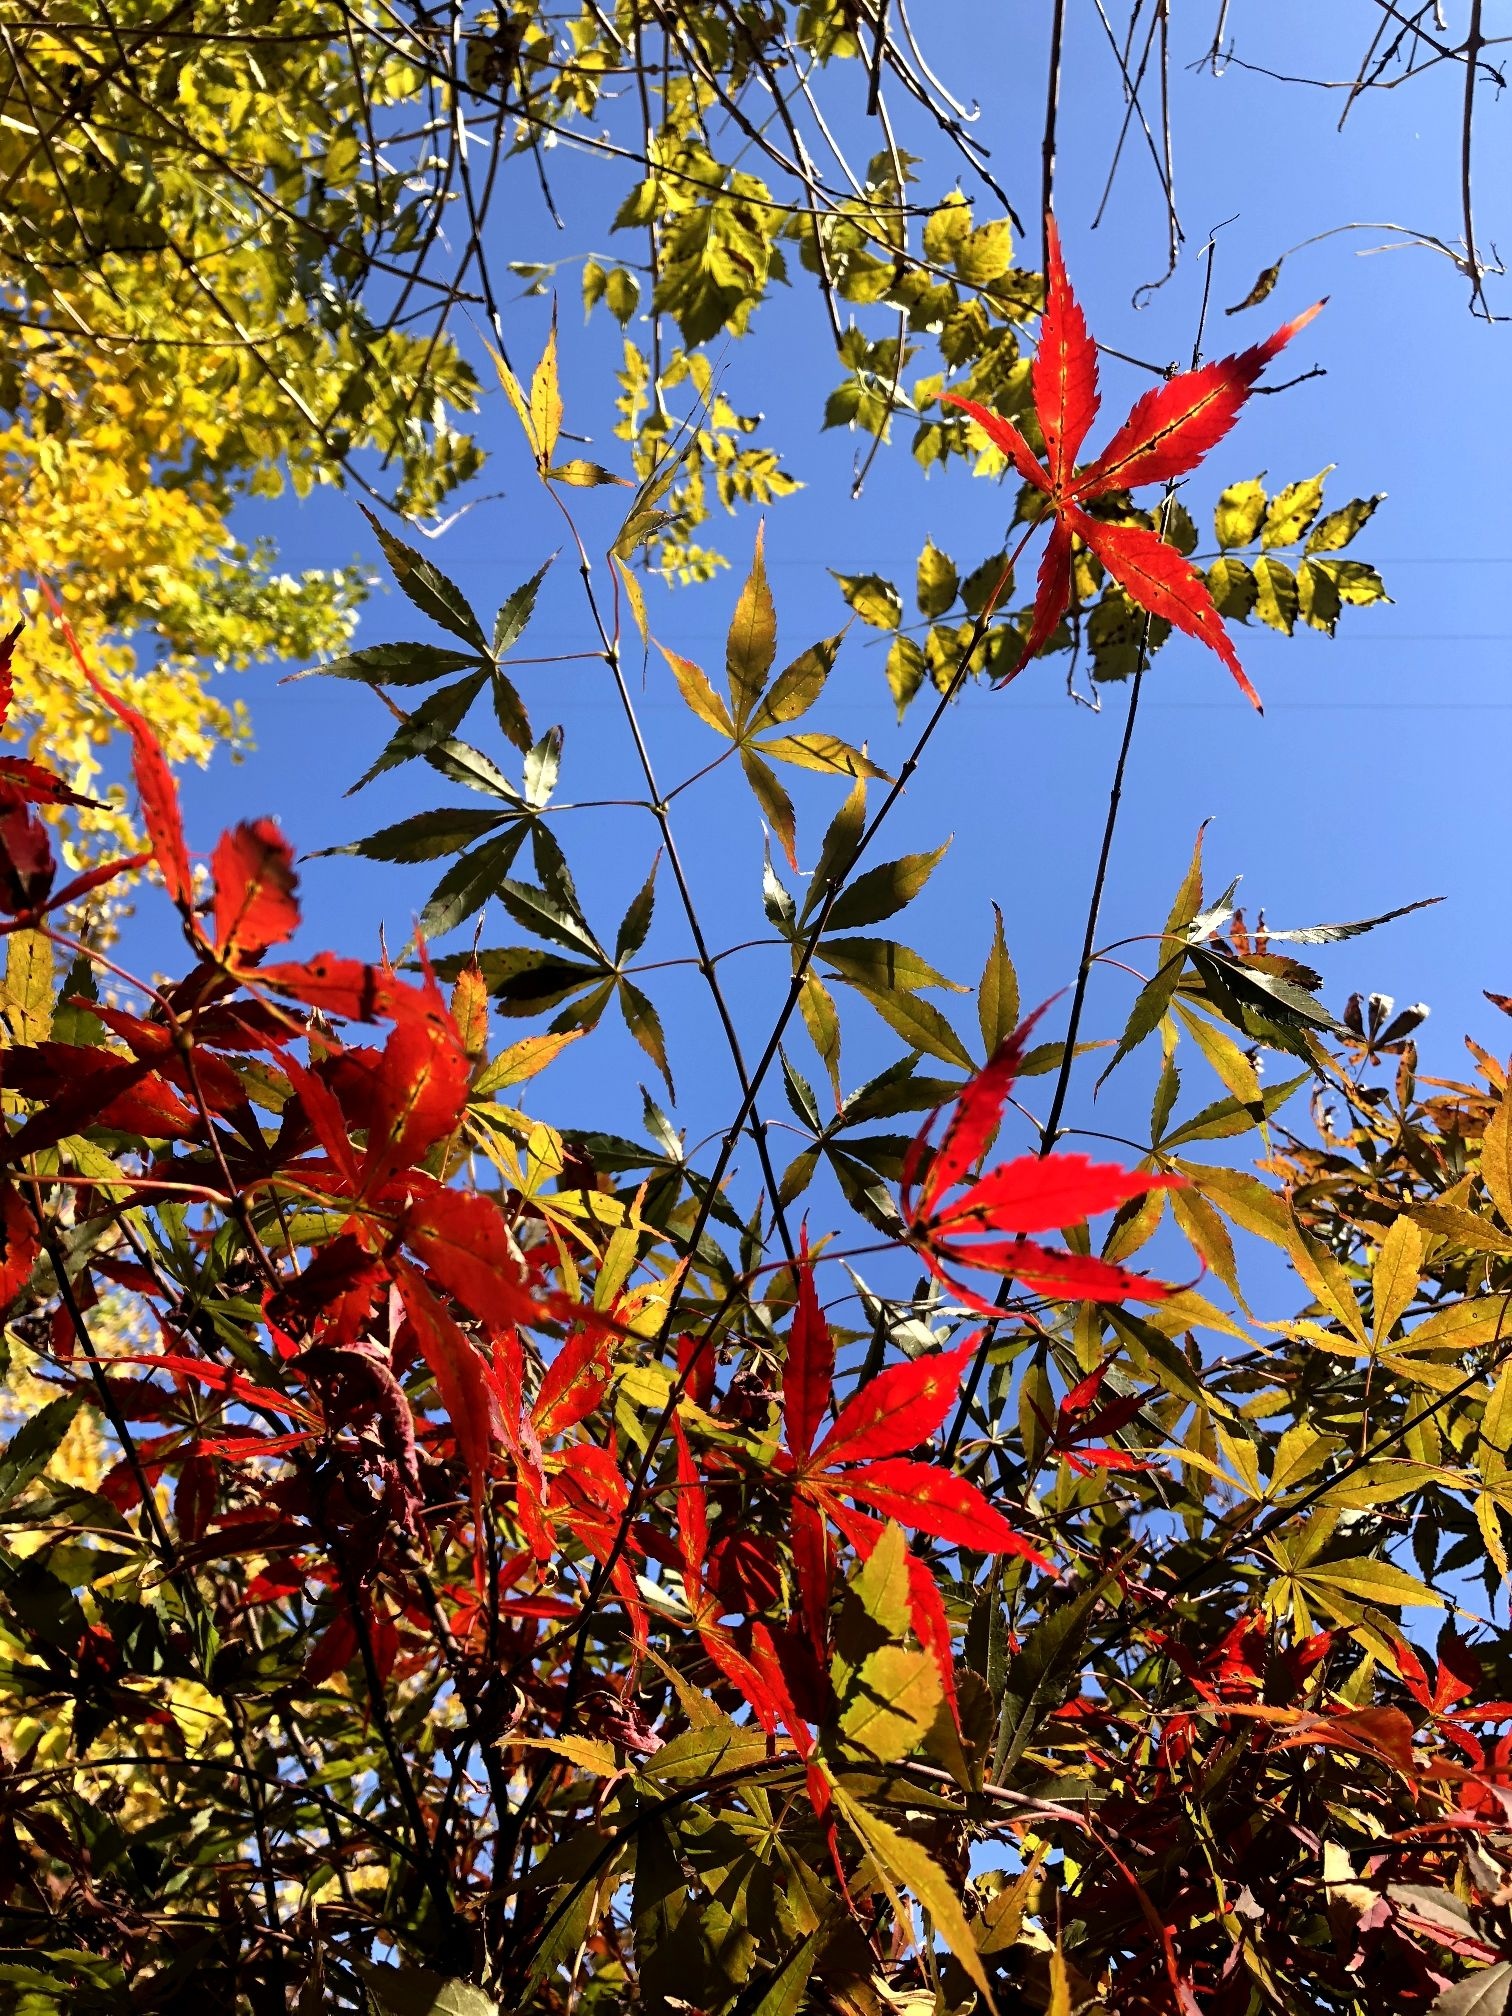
(428, 588)
(838, 848)
(1487, 1992)
(1121, 637)
(1338, 528)
(645, 1025)
(1227, 1117)
(937, 580)
(516, 612)
(919, 1023)
(882, 964)
(394, 664)
(1292, 510)
(1238, 513)
(783, 1991)
(1040, 1674)
(469, 883)
(621, 294)
(1374, 1582)
(881, 892)
(471, 769)
(543, 764)
(946, 229)
(1318, 600)
(874, 600)
(434, 721)
(1232, 587)
(993, 577)
(752, 643)
(637, 919)
(997, 991)
(1333, 934)
(795, 689)
(523, 979)
(424, 836)
(509, 710)
(553, 914)
(34, 1445)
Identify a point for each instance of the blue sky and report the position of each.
(1377, 774)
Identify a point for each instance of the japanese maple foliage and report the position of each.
(623, 1574)
(1167, 433)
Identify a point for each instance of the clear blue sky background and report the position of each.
(1378, 774)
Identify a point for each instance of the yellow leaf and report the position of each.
(514, 393)
(546, 400)
(1060, 1984)
(1496, 1159)
(1394, 1277)
(1326, 1279)
(522, 1060)
(589, 1753)
(583, 475)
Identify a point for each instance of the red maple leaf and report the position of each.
(1032, 1193)
(255, 905)
(1168, 432)
(863, 1456)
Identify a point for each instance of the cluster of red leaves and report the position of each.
(986, 1225)
(1167, 433)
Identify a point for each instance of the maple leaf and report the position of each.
(863, 1455)
(253, 872)
(1032, 1193)
(19, 1244)
(154, 780)
(1167, 433)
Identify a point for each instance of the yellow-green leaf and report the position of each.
(1292, 510)
(29, 986)
(775, 803)
(1275, 594)
(874, 600)
(521, 1061)
(1238, 513)
(1375, 1582)
(937, 580)
(813, 750)
(585, 475)
(998, 990)
(906, 671)
(817, 1006)
(1338, 528)
(698, 693)
(752, 642)
(892, 1702)
(902, 1864)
